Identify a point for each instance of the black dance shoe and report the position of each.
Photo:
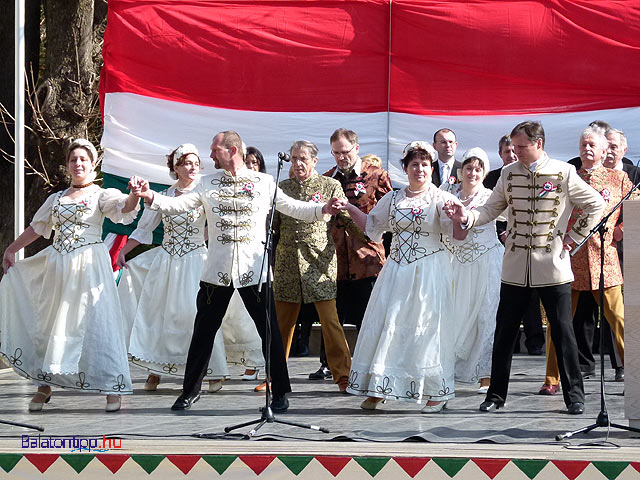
(322, 374)
(184, 402)
(279, 403)
(490, 405)
(575, 408)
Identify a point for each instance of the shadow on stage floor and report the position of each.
(527, 418)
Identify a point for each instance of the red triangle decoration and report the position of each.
(257, 463)
(570, 468)
(334, 465)
(184, 462)
(113, 461)
(491, 466)
(635, 465)
(411, 465)
(42, 461)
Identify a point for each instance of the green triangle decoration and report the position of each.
(611, 470)
(451, 466)
(148, 462)
(530, 468)
(219, 462)
(296, 463)
(372, 464)
(78, 462)
(9, 460)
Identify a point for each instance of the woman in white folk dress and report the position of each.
(60, 320)
(405, 346)
(477, 266)
(158, 288)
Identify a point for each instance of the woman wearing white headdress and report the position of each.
(477, 266)
(60, 321)
(158, 288)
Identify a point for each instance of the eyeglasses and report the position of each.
(342, 154)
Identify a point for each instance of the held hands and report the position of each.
(334, 205)
(456, 212)
(140, 188)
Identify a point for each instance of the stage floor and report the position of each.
(524, 429)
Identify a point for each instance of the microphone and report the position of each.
(284, 157)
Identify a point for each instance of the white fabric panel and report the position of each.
(139, 131)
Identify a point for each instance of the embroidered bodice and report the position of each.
(416, 223)
(79, 223)
(480, 240)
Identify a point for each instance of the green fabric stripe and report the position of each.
(530, 468)
(9, 460)
(451, 466)
(219, 462)
(611, 470)
(372, 464)
(78, 461)
(148, 462)
(296, 463)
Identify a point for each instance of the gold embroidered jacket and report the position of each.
(306, 266)
(539, 206)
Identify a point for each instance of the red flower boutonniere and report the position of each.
(452, 180)
(316, 197)
(248, 187)
(416, 212)
(606, 194)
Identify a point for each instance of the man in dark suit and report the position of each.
(532, 320)
(445, 143)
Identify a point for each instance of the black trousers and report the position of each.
(532, 322)
(351, 302)
(556, 300)
(212, 303)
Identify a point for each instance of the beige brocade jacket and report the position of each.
(540, 203)
(306, 266)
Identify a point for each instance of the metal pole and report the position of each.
(19, 122)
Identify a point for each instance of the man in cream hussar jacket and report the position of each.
(540, 193)
(236, 201)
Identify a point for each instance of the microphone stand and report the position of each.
(23, 425)
(603, 417)
(267, 415)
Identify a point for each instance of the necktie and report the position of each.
(445, 173)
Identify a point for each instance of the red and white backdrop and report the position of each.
(277, 71)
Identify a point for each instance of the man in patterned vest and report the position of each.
(540, 194)
(613, 185)
(306, 267)
(236, 201)
(359, 259)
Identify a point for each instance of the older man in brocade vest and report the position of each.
(359, 259)
(306, 268)
(613, 185)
